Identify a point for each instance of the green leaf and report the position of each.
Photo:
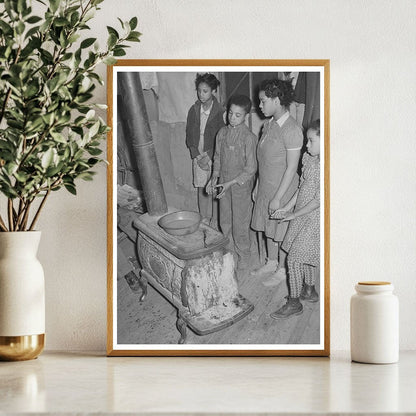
(119, 52)
(86, 176)
(60, 138)
(121, 22)
(73, 38)
(112, 41)
(133, 23)
(94, 151)
(47, 158)
(34, 125)
(21, 5)
(52, 171)
(33, 19)
(134, 37)
(31, 31)
(94, 129)
(10, 7)
(74, 18)
(112, 31)
(21, 177)
(7, 30)
(54, 4)
(61, 21)
(10, 168)
(67, 153)
(48, 118)
(87, 42)
(90, 114)
(70, 188)
(20, 28)
(110, 60)
(31, 90)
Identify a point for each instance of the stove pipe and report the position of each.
(136, 125)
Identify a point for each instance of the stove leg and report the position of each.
(181, 325)
(137, 283)
(143, 286)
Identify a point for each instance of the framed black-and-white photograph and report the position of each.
(218, 207)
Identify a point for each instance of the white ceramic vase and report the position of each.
(22, 296)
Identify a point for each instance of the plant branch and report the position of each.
(21, 211)
(10, 213)
(2, 225)
(32, 149)
(18, 215)
(39, 209)
(26, 216)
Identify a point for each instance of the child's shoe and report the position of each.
(269, 267)
(309, 294)
(291, 307)
(277, 278)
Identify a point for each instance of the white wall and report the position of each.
(371, 45)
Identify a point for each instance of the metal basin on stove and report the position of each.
(180, 222)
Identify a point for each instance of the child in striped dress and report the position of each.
(302, 240)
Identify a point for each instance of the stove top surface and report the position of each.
(203, 241)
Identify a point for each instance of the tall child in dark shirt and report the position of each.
(204, 120)
(235, 166)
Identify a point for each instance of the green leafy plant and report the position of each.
(50, 134)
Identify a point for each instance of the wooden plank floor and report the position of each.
(153, 321)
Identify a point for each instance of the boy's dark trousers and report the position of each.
(235, 215)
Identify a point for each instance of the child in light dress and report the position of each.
(302, 240)
(278, 154)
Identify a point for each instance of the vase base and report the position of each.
(20, 348)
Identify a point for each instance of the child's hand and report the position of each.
(203, 162)
(274, 205)
(224, 187)
(210, 186)
(279, 214)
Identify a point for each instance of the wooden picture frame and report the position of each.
(151, 327)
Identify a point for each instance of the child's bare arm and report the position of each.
(308, 208)
(292, 157)
(292, 201)
(282, 213)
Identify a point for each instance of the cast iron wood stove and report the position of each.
(194, 272)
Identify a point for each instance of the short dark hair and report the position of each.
(242, 101)
(209, 79)
(278, 88)
(316, 126)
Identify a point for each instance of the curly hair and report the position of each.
(242, 101)
(278, 88)
(316, 127)
(209, 79)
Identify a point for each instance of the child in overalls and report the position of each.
(235, 166)
(204, 120)
(302, 240)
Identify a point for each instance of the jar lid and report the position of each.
(374, 283)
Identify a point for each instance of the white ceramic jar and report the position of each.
(374, 323)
